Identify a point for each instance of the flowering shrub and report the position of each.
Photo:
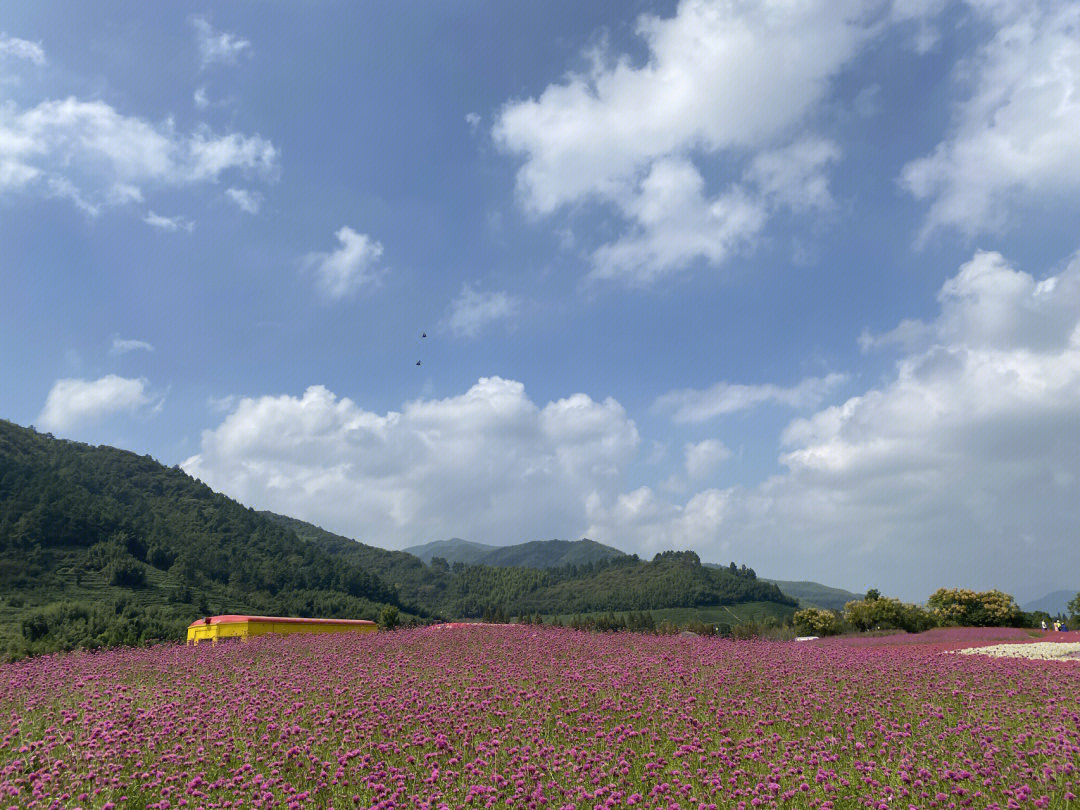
(817, 622)
(974, 608)
(525, 717)
(887, 613)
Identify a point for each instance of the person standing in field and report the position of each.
(1057, 626)
(1044, 624)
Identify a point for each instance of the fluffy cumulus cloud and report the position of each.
(355, 264)
(704, 457)
(488, 464)
(472, 310)
(95, 156)
(15, 48)
(648, 523)
(692, 405)
(75, 402)
(218, 47)
(626, 134)
(675, 224)
(1016, 135)
(965, 456)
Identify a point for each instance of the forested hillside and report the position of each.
(101, 546)
(534, 554)
(672, 579)
(453, 550)
(814, 594)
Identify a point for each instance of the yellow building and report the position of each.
(213, 628)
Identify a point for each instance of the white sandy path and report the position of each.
(1042, 650)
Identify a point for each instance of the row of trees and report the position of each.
(946, 607)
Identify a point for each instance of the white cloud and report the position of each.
(489, 464)
(245, 200)
(965, 457)
(909, 334)
(74, 402)
(642, 521)
(711, 84)
(88, 152)
(121, 346)
(63, 188)
(692, 405)
(794, 176)
(177, 223)
(22, 49)
(676, 224)
(199, 97)
(350, 267)
(704, 457)
(222, 404)
(923, 14)
(473, 120)
(218, 46)
(1016, 137)
(471, 311)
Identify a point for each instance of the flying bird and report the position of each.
(417, 362)
(423, 334)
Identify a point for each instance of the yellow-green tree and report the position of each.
(886, 613)
(960, 606)
(817, 622)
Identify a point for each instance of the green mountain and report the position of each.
(1053, 603)
(101, 546)
(613, 583)
(534, 554)
(453, 550)
(808, 594)
(814, 594)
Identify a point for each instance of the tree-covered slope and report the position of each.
(100, 546)
(671, 580)
(814, 594)
(416, 583)
(551, 553)
(453, 550)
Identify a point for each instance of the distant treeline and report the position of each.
(946, 607)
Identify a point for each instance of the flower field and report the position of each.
(526, 717)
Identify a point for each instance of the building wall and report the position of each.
(213, 632)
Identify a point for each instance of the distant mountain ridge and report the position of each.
(1053, 603)
(615, 583)
(453, 550)
(533, 554)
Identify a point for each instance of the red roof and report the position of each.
(231, 618)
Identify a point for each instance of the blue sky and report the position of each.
(793, 285)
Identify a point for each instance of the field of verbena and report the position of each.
(540, 718)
